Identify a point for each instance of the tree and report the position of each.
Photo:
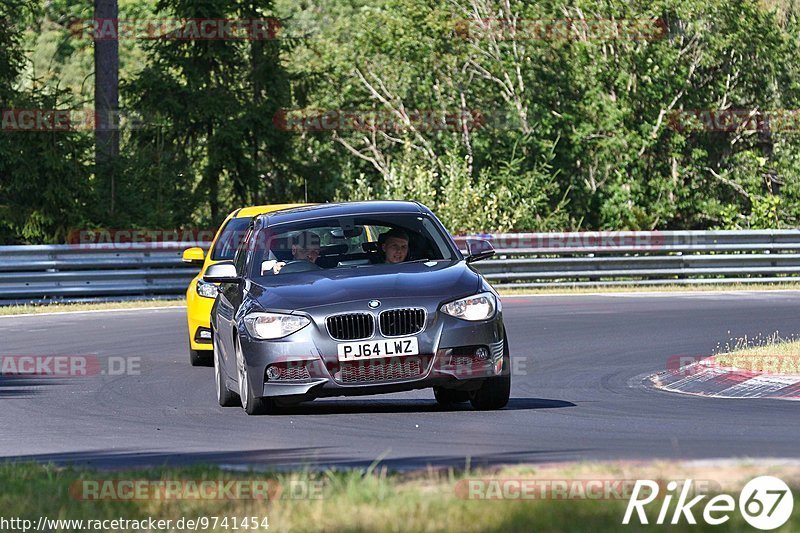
(106, 100)
(44, 179)
(211, 100)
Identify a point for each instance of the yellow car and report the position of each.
(200, 295)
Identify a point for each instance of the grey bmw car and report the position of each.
(353, 299)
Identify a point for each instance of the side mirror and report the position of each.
(478, 249)
(195, 256)
(224, 272)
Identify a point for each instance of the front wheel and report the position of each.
(449, 396)
(252, 404)
(225, 397)
(494, 392)
(201, 357)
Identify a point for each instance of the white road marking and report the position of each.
(760, 386)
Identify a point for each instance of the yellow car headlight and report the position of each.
(206, 289)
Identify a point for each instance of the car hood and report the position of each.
(442, 280)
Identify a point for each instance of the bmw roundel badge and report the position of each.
(374, 304)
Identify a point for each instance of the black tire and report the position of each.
(449, 396)
(494, 392)
(225, 397)
(201, 357)
(253, 404)
(260, 406)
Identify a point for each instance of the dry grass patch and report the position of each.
(89, 306)
(379, 500)
(770, 355)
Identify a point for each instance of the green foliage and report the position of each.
(579, 133)
(209, 105)
(576, 132)
(43, 186)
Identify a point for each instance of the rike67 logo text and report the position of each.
(765, 502)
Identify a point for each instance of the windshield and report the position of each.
(229, 239)
(347, 242)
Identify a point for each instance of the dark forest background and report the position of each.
(576, 132)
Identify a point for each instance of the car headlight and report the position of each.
(478, 307)
(273, 325)
(206, 289)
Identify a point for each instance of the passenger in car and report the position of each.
(305, 247)
(394, 244)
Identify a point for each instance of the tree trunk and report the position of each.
(256, 59)
(212, 179)
(106, 98)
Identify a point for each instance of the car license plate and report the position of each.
(358, 351)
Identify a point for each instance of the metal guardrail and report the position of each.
(79, 272)
(612, 258)
(118, 271)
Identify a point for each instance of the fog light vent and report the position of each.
(202, 335)
(482, 353)
(288, 372)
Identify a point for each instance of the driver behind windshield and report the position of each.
(394, 245)
(305, 247)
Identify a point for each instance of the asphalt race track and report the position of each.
(577, 394)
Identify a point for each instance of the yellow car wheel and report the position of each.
(201, 357)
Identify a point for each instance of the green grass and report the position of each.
(769, 354)
(375, 500)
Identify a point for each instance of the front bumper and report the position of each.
(198, 315)
(307, 366)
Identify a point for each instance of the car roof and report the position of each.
(255, 210)
(308, 212)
